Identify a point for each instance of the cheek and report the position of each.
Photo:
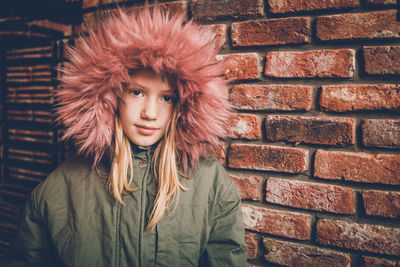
(128, 113)
(164, 116)
(167, 113)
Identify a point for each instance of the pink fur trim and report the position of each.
(99, 64)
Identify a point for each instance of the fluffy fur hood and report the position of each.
(98, 66)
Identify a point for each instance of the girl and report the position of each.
(144, 104)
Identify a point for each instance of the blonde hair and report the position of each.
(164, 169)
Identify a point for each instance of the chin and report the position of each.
(142, 142)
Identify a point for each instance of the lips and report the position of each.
(146, 127)
(146, 130)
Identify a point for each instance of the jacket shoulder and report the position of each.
(210, 179)
(211, 169)
(73, 170)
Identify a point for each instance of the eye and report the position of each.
(136, 92)
(167, 98)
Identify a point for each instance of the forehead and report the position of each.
(148, 79)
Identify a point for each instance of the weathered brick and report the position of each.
(271, 97)
(89, 3)
(252, 243)
(366, 237)
(106, 2)
(219, 153)
(246, 126)
(310, 64)
(277, 222)
(172, 7)
(284, 6)
(244, 66)
(357, 167)
(381, 2)
(340, 98)
(220, 9)
(314, 196)
(268, 158)
(271, 32)
(381, 133)
(382, 59)
(220, 33)
(249, 186)
(293, 254)
(377, 262)
(311, 130)
(382, 203)
(368, 25)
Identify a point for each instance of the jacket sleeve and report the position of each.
(31, 245)
(226, 245)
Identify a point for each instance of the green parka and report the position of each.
(71, 220)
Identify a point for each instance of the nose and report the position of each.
(150, 109)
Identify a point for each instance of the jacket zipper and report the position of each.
(142, 207)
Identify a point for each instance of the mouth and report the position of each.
(145, 127)
(145, 130)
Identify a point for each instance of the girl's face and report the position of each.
(146, 109)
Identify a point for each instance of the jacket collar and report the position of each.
(138, 153)
(142, 152)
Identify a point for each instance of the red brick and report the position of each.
(366, 237)
(268, 158)
(377, 262)
(381, 133)
(172, 7)
(277, 222)
(314, 196)
(368, 25)
(293, 254)
(381, 2)
(340, 98)
(271, 32)
(220, 31)
(246, 126)
(271, 97)
(357, 167)
(312, 130)
(382, 59)
(284, 6)
(220, 9)
(249, 186)
(382, 203)
(244, 66)
(311, 64)
(252, 243)
(89, 3)
(220, 153)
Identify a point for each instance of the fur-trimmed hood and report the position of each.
(99, 65)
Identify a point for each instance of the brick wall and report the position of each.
(314, 145)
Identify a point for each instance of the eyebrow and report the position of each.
(134, 84)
